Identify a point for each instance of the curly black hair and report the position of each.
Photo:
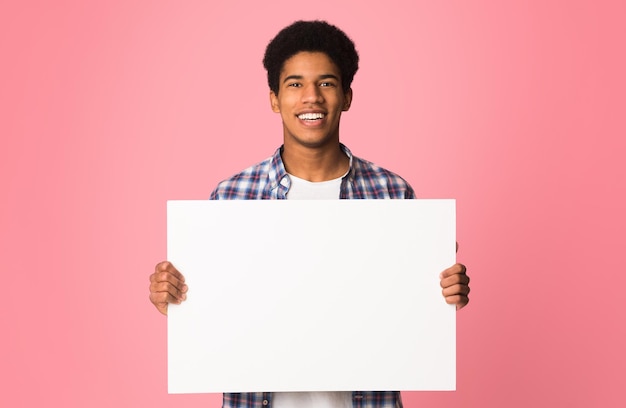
(311, 36)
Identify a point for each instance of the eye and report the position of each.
(294, 85)
(327, 84)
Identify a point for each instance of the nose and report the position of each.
(312, 94)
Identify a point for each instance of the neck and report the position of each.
(315, 164)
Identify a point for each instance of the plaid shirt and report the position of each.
(360, 399)
(269, 180)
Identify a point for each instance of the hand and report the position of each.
(167, 285)
(455, 284)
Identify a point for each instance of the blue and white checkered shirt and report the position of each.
(360, 399)
(269, 180)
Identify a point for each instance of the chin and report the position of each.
(314, 141)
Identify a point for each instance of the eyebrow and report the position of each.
(299, 77)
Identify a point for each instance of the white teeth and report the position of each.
(311, 116)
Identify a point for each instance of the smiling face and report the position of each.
(310, 100)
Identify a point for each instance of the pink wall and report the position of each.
(516, 109)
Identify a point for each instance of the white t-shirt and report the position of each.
(338, 399)
(305, 190)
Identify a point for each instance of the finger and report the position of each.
(167, 266)
(453, 270)
(166, 277)
(163, 297)
(456, 290)
(166, 272)
(459, 300)
(454, 280)
(166, 287)
(161, 301)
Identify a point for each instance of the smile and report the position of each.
(311, 116)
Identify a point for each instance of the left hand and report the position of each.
(455, 284)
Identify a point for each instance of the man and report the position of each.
(310, 67)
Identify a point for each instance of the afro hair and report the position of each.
(311, 36)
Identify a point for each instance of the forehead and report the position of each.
(307, 63)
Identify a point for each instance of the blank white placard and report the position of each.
(323, 295)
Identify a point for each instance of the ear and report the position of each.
(347, 100)
(274, 102)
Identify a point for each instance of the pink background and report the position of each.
(516, 109)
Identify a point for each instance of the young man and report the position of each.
(310, 67)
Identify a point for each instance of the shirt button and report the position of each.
(265, 402)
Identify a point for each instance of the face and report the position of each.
(310, 100)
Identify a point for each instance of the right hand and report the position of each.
(167, 285)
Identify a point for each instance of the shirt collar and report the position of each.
(278, 174)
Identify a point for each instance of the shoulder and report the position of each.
(246, 185)
(378, 181)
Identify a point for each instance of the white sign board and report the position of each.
(324, 295)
